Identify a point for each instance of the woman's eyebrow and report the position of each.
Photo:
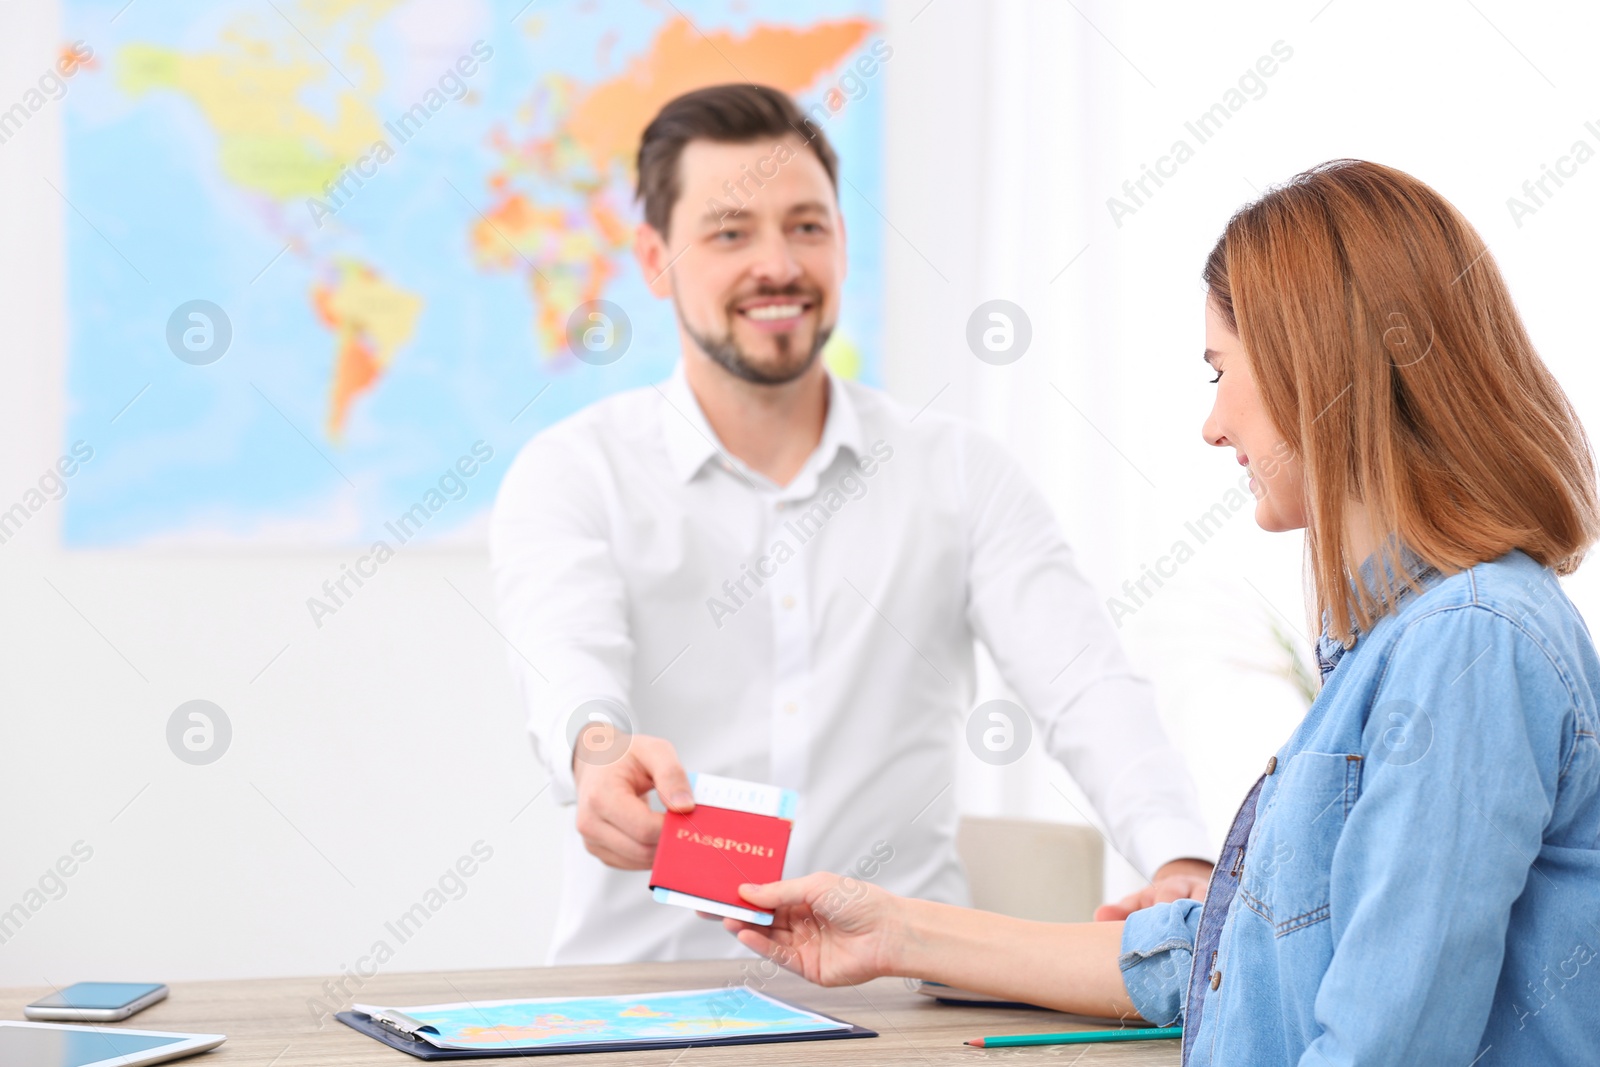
(1210, 352)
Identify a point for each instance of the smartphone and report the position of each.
(96, 1002)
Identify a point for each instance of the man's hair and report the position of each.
(738, 113)
(1392, 360)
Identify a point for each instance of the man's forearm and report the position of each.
(1070, 967)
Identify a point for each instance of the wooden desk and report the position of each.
(270, 1023)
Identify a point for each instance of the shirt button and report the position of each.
(790, 708)
(788, 601)
(1272, 765)
(1216, 979)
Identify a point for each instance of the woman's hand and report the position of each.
(838, 931)
(827, 929)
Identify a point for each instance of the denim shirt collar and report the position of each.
(1330, 649)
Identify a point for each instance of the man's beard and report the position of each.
(727, 354)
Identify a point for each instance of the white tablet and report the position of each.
(63, 1045)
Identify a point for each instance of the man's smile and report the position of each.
(776, 313)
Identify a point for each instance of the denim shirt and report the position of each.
(1416, 878)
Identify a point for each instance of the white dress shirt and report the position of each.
(817, 636)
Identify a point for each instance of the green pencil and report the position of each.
(1078, 1037)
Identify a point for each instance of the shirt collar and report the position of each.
(691, 442)
(1405, 564)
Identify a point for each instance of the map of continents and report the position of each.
(390, 210)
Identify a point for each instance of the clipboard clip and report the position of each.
(398, 1022)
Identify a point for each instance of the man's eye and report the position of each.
(730, 235)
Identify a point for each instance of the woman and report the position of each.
(1416, 877)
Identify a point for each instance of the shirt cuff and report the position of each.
(1157, 955)
(554, 727)
(558, 754)
(1155, 842)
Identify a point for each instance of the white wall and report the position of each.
(373, 753)
(366, 759)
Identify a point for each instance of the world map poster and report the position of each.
(324, 256)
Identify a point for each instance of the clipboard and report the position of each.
(424, 1050)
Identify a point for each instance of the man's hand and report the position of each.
(615, 820)
(1178, 880)
(827, 929)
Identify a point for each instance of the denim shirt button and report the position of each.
(1272, 765)
(1216, 979)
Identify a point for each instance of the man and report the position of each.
(758, 570)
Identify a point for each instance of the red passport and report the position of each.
(703, 857)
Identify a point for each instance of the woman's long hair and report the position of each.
(1392, 360)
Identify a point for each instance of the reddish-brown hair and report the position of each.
(1392, 360)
